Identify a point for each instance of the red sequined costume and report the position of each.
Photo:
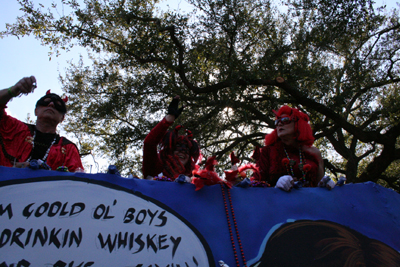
(271, 167)
(16, 137)
(163, 161)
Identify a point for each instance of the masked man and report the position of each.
(20, 142)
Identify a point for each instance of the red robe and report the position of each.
(16, 137)
(271, 167)
(152, 164)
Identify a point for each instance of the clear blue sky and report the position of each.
(25, 57)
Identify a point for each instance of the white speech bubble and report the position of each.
(73, 223)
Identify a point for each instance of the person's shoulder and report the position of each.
(66, 141)
(312, 150)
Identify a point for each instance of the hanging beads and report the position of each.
(289, 163)
(32, 141)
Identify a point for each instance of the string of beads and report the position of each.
(291, 162)
(230, 227)
(48, 150)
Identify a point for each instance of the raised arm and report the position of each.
(151, 162)
(24, 86)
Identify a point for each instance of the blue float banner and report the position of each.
(50, 218)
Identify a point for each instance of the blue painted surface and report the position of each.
(368, 208)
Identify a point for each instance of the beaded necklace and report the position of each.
(230, 227)
(33, 146)
(291, 162)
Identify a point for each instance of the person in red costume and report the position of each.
(289, 155)
(178, 154)
(21, 142)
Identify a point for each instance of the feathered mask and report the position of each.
(208, 175)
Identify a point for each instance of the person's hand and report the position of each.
(24, 86)
(21, 164)
(173, 107)
(327, 182)
(285, 183)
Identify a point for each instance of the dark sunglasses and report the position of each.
(284, 120)
(48, 100)
(58, 103)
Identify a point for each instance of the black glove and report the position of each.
(173, 108)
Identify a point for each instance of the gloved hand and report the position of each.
(327, 182)
(285, 183)
(173, 107)
(183, 179)
(341, 181)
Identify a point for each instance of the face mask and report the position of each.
(59, 104)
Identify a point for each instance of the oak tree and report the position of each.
(232, 62)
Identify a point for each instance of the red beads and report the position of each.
(230, 227)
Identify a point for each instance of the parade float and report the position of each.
(52, 218)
